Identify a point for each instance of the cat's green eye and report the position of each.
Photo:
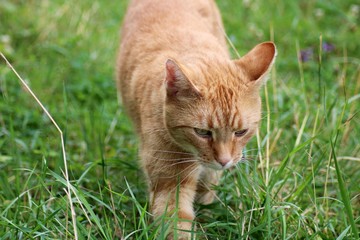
(203, 132)
(241, 132)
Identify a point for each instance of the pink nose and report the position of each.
(224, 161)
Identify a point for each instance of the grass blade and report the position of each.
(344, 192)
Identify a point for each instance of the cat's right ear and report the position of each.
(178, 86)
(257, 63)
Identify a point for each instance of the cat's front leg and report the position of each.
(205, 193)
(175, 199)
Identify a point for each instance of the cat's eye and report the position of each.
(241, 132)
(204, 133)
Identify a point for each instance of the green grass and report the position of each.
(302, 179)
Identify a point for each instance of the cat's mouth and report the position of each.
(227, 165)
(217, 165)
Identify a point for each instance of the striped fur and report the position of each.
(175, 76)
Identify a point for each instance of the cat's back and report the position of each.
(156, 30)
(168, 25)
(143, 16)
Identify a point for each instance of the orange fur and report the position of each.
(188, 101)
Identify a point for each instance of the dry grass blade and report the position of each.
(68, 192)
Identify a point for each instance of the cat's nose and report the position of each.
(224, 161)
(223, 154)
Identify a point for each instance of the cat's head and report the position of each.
(214, 110)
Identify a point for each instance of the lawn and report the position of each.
(302, 177)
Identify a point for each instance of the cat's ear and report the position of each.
(177, 85)
(256, 63)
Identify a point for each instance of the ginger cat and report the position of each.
(193, 108)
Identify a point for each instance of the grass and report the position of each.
(302, 181)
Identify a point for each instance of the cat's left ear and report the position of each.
(257, 63)
(178, 86)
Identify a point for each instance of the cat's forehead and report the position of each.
(226, 115)
(226, 94)
(220, 79)
(224, 106)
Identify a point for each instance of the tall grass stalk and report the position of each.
(66, 174)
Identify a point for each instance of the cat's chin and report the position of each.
(217, 166)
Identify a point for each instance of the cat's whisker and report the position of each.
(189, 174)
(169, 166)
(178, 163)
(250, 158)
(155, 131)
(246, 150)
(178, 173)
(170, 159)
(165, 151)
(244, 162)
(182, 162)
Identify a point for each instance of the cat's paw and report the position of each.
(206, 198)
(180, 236)
(181, 233)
